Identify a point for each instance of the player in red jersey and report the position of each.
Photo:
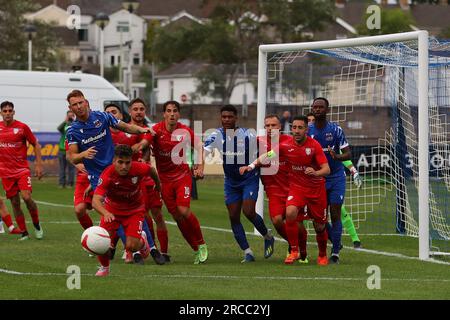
(169, 145)
(118, 199)
(153, 201)
(308, 167)
(275, 183)
(14, 168)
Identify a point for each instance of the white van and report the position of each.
(40, 97)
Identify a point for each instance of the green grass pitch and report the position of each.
(37, 269)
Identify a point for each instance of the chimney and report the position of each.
(340, 3)
(404, 4)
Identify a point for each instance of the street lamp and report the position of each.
(30, 30)
(130, 6)
(102, 20)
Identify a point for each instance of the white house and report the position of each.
(179, 83)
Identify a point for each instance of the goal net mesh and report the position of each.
(373, 94)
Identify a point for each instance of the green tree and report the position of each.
(392, 21)
(14, 42)
(231, 38)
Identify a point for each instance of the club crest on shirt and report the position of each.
(128, 135)
(134, 180)
(16, 130)
(329, 136)
(97, 123)
(178, 137)
(308, 151)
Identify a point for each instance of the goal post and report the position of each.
(421, 63)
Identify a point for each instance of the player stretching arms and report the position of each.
(308, 166)
(346, 218)
(241, 191)
(332, 139)
(118, 199)
(14, 169)
(152, 196)
(169, 143)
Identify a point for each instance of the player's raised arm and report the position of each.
(260, 161)
(134, 129)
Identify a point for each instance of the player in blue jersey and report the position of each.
(89, 136)
(332, 139)
(238, 147)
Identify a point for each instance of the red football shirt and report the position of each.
(171, 161)
(277, 183)
(13, 148)
(309, 154)
(123, 195)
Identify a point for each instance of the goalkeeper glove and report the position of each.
(357, 180)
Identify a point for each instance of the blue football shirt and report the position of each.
(237, 149)
(94, 132)
(332, 136)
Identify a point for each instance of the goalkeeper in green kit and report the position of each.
(346, 218)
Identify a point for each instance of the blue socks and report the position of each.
(258, 222)
(335, 235)
(239, 235)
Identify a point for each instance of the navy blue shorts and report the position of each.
(239, 191)
(335, 190)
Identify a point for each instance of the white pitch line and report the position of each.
(220, 277)
(382, 253)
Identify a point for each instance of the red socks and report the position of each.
(104, 260)
(197, 235)
(85, 221)
(8, 221)
(322, 238)
(292, 234)
(163, 240)
(34, 216)
(21, 222)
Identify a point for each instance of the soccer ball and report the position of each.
(95, 240)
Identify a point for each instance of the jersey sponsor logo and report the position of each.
(134, 180)
(97, 123)
(231, 153)
(164, 154)
(308, 151)
(7, 145)
(299, 168)
(95, 138)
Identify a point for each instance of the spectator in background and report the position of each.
(63, 163)
(286, 121)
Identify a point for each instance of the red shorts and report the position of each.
(132, 224)
(13, 185)
(80, 185)
(152, 196)
(277, 203)
(177, 193)
(315, 200)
